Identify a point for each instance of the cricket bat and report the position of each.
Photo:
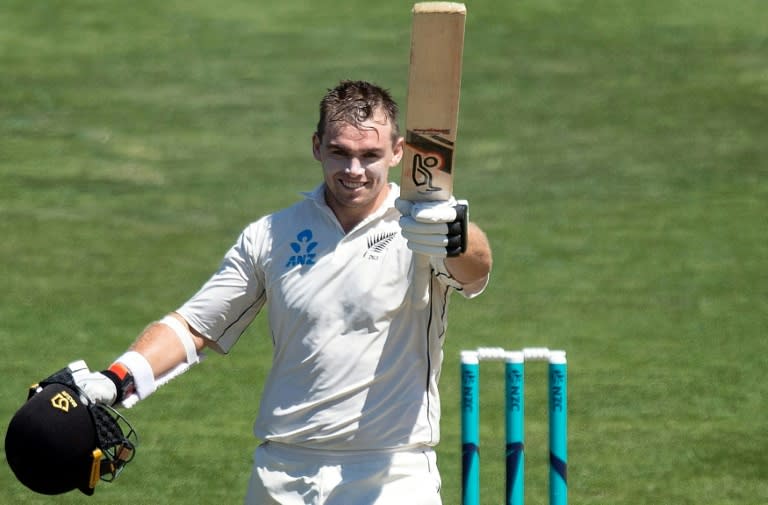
(434, 87)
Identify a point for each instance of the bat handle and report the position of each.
(422, 278)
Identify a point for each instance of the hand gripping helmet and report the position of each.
(59, 440)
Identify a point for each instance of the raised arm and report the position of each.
(474, 265)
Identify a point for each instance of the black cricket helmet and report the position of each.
(59, 440)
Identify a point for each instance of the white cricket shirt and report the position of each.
(355, 366)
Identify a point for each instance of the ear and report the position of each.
(397, 152)
(316, 146)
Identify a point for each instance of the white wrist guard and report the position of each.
(141, 370)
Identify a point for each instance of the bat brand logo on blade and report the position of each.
(421, 173)
(432, 153)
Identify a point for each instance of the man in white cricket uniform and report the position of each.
(350, 410)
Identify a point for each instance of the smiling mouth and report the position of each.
(352, 185)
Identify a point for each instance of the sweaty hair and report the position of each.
(353, 103)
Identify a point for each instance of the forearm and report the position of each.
(475, 263)
(161, 346)
(164, 350)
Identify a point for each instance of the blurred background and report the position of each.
(615, 152)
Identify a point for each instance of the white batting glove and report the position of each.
(98, 387)
(435, 228)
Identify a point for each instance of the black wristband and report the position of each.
(124, 387)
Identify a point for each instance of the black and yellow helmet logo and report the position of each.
(63, 401)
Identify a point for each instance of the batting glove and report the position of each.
(435, 228)
(101, 387)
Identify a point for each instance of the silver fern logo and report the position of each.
(377, 244)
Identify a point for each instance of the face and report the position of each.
(356, 163)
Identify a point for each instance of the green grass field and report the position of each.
(615, 152)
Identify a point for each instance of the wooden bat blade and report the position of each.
(434, 85)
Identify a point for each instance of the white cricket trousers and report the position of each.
(287, 475)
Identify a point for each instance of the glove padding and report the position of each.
(435, 228)
(101, 387)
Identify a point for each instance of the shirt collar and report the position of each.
(317, 196)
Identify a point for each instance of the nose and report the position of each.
(354, 167)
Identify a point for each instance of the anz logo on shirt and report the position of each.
(303, 249)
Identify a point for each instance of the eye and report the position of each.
(337, 152)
